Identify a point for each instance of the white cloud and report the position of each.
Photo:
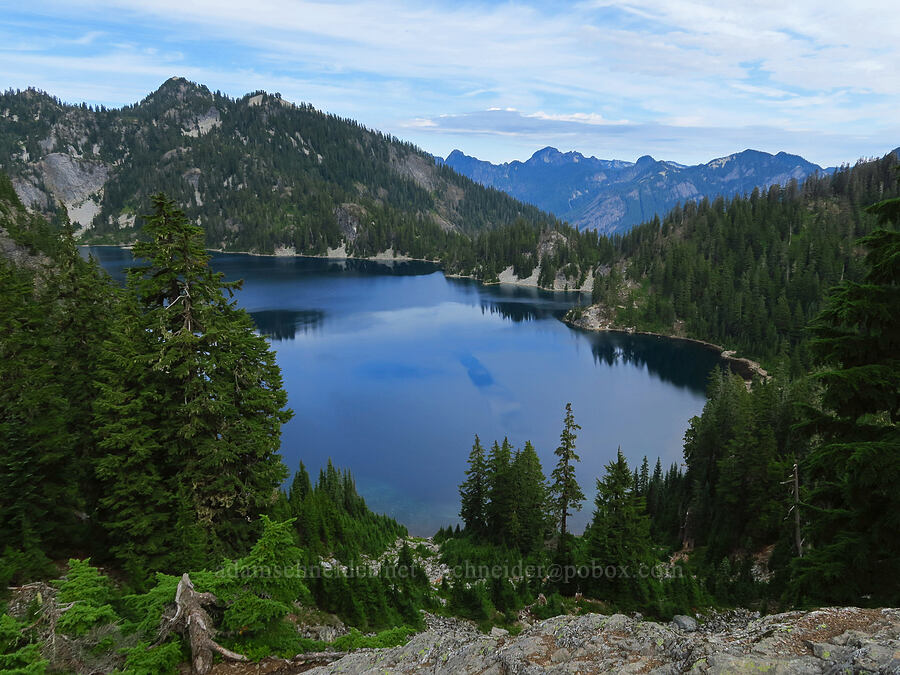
(578, 117)
(829, 69)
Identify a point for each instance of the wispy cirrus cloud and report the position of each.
(687, 79)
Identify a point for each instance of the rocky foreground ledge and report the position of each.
(832, 640)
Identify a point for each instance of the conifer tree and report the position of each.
(565, 492)
(136, 506)
(855, 469)
(300, 487)
(654, 489)
(260, 589)
(704, 445)
(473, 492)
(85, 299)
(50, 313)
(18, 654)
(619, 536)
(190, 409)
(35, 487)
(530, 505)
(500, 508)
(643, 482)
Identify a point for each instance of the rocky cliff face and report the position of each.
(832, 640)
(58, 178)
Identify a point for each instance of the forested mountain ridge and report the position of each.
(614, 195)
(748, 273)
(257, 173)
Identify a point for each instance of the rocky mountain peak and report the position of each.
(176, 91)
(612, 195)
(457, 154)
(550, 155)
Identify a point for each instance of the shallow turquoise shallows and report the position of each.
(393, 368)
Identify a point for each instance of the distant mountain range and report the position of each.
(612, 195)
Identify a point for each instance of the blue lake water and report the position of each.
(391, 369)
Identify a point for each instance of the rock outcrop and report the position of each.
(19, 255)
(831, 640)
(62, 179)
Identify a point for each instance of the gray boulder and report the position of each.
(685, 623)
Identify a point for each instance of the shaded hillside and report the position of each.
(257, 173)
(612, 195)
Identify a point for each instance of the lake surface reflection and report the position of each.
(391, 369)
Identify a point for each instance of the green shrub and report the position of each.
(392, 637)
(17, 655)
(91, 594)
(18, 567)
(145, 610)
(161, 660)
(554, 607)
(470, 601)
(259, 591)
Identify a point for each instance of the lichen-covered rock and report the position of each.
(686, 623)
(828, 640)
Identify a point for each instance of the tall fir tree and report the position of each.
(704, 445)
(643, 482)
(500, 510)
(473, 492)
(190, 410)
(300, 487)
(618, 540)
(530, 505)
(565, 492)
(136, 476)
(854, 504)
(36, 490)
(52, 308)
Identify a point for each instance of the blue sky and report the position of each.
(684, 80)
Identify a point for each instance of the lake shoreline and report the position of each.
(746, 368)
(386, 256)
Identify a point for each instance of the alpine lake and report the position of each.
(391, 369)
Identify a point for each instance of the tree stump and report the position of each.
(194, 623)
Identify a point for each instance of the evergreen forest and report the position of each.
(140, 425)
